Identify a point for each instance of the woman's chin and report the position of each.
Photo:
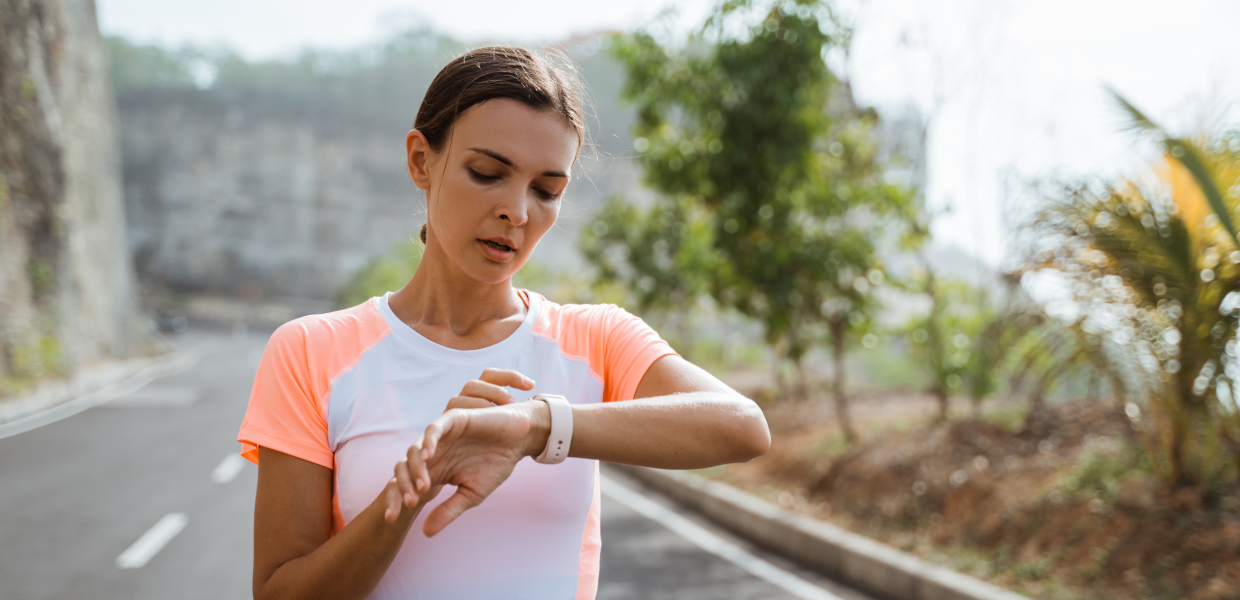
(494, 273)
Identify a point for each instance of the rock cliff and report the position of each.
(278, 181)
(66, 292)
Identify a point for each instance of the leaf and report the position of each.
(1191, 159)
(1185, 152)
(1139, 121)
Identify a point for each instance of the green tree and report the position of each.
(753, 128)
(946, 339)
(663, 256)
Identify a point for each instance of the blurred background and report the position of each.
(978, 261)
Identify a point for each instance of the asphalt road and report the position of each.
(77, 495)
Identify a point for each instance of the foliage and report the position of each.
(949, 342)
(565, 286)
(1154, 265)
(378, 85)
(1098, 473)
(380, 275)
(135, 65)
(772, 189)
(663, 256)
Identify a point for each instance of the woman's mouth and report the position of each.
(497, 251)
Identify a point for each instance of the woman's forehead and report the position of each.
(532, 139)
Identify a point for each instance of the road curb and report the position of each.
(53, 393)
(855, 560)
(54, 401)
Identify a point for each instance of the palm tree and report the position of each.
(1154, 265)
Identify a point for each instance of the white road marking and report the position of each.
(152, 541)
(228, 468)
(714, 544)
(93, 399)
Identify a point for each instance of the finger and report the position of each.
(404, 482)
(449, 510)
(419, 474)
(430, 439)
(393, 503)
(507, 377)
(468, 402)
(441, 429)
(491, 392)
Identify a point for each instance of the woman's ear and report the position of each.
(418, 158)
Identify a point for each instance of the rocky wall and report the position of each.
(66, 292)
(229, 195)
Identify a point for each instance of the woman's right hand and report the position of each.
(412, 484)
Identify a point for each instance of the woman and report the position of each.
(360, 416)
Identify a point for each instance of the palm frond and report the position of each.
(1137, 119)
(1186, 153)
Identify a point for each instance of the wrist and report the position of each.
(539, 415)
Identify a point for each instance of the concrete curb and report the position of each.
(854, 559)
(53, 393)
(54, 401)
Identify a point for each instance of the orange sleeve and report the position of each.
(631, 346)
(286, 411)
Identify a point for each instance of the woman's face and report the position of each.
(495, 187)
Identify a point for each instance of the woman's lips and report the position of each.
(496, 251)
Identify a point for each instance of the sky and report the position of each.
(1015, 92)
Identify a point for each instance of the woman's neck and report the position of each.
(452, 309)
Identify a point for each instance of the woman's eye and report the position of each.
(483, 178)
(545, 195)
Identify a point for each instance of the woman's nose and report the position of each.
(514, 210)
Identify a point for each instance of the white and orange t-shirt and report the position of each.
(353, 389)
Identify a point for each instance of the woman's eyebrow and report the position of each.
(495, 155)
(508, 162)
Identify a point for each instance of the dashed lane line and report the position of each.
(152, 541)
(228, 468)
(714, 544)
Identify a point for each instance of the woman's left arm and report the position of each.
(681, 417)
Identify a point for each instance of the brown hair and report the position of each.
(499, 72)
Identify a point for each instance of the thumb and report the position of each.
(449, 510)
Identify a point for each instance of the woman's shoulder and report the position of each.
(592, 320)
(362, 323)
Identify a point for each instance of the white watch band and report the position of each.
(561, 429)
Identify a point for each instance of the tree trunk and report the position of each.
(777, 374)
(940, 394)
(838, 325)
(684, 330)
(934, 342)
(802, 378)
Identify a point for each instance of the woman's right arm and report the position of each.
(295, 555)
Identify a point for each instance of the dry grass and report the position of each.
(1060, 506)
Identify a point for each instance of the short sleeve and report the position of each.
(631, 346)
(286, 410)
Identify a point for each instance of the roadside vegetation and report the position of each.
(1079, 452)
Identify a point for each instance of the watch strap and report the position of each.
(561, 429)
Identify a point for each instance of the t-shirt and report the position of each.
(353, 389)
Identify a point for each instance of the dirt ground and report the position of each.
(1061, 506)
